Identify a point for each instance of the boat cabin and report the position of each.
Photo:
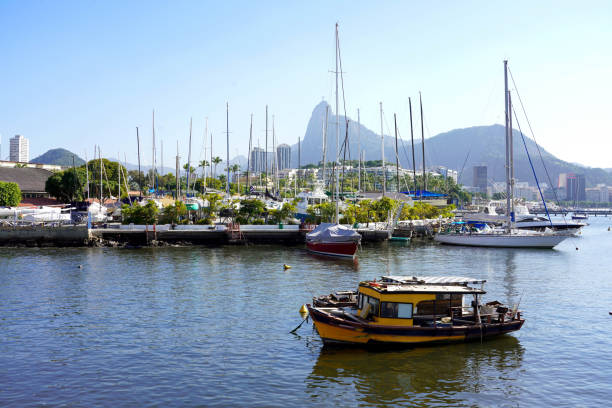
(419, 301)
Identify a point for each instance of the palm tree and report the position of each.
(216, 161)
(203, 164)
(236, 169)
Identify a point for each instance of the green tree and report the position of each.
(324, 212)
(216, 160)
(140, 214)
(67, 185)
(285, 212)
(250, 210)
(110, 177)
(382, 208)
(173, 214)
(10, 194)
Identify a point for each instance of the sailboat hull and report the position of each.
(501, 240)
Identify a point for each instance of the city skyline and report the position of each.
(74, 82)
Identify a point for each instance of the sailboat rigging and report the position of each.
(510, 237)
(333, 239)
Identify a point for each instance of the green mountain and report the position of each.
(60, 157)
(458, 149)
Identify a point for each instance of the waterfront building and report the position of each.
(480, 178)
(283, 156)
(599, 194)
(575, 187)
(19, 149)
(31, 182)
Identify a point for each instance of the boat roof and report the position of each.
(432, 280)
(424, 284)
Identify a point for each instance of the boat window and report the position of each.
(442, 305)
(360, 301)
(396, 310)
(375, 305)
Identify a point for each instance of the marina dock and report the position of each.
(153, 235)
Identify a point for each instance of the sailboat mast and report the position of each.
(100, 154)
(382, 152)
(118, 177)
(153, 155)
(205, 171)
(189, 157)
(274, 159)
(337, 133)
(412, 143)
(266, 151)
(249, 157)
(359, 151)
(211, 153)
(87, 173)
(325, 146)
(299, 160)
(178, 175)
(139, 172)
(510, 145)
(423, 145)
(227, 184)
(507, 124)
(396, 155)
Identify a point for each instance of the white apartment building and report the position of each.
(20, 149)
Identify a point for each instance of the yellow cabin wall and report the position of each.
(413, 298)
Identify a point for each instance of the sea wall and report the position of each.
(44, 236)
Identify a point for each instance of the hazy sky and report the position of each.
(78, 73)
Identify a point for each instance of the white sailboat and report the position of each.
(509, 236)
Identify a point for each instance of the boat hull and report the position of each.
(333, 330)
(339, 249)
(501, 240)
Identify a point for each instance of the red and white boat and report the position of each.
(333, 240)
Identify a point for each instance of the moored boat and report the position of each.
(405, 310)
(497, 238)
(333, 240)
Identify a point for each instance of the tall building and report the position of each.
(575, 187)
(562, 180)
(258, 159)
(20, 149)
(480, 178)
(283, 155)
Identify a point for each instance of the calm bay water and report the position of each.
(210, 327)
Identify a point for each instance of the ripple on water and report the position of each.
(210, 327)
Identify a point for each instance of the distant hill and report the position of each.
(60, 157)
(458, 149)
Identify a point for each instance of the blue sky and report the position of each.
(78, 73)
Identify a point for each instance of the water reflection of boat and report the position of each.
(419, 376)
(404, 310)
(352, 263)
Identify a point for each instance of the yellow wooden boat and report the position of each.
(406, 310)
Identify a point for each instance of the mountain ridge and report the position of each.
(60, 157)
(457, 149)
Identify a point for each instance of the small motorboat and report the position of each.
(407, 310)
(333, 240)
